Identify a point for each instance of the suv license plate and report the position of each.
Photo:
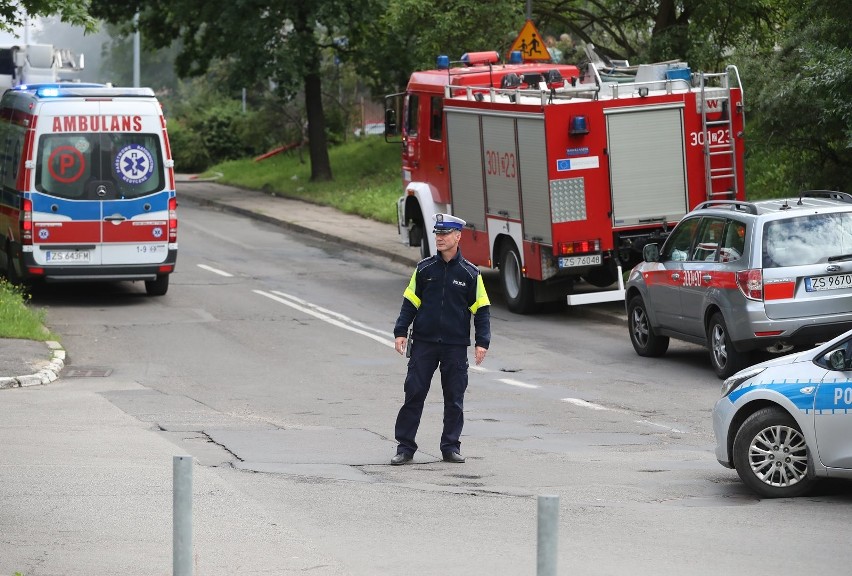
(820, 283)
(573, 261)
(67, 256)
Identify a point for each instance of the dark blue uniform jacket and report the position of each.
(440, 300)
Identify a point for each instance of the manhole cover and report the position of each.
(86, 372)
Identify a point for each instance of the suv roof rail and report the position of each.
(738, 205)
(827, 194)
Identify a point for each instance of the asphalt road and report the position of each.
(270, 360)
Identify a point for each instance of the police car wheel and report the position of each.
(726, 359)
(771, 455)
(645, 341)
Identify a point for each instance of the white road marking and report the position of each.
(215, 270)
(517, 383)
(326, 318)
(669, 428)
(585, 404)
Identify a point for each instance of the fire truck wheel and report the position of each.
(645, 341)
(418, 234)
(157, 287)
(517, 289)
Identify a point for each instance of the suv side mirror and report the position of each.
(651, 253)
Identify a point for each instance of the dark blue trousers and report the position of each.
(425, 359)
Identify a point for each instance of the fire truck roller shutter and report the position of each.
(647, 164)
(465, 161)
(501, 167)
(535, 193)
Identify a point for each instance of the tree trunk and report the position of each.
(317, 143)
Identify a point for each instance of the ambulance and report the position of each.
(88, 186)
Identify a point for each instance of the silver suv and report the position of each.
(742, 276)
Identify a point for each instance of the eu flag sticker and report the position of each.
(563, 165)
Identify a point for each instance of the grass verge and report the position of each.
(367, 179)
(17, 319)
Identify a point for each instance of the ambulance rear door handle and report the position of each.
(115, 218)
(707, 278)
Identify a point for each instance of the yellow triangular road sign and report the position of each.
(530, 44)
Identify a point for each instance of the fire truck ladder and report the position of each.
(722, 149)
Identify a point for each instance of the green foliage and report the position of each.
(367, 181)
(12, 14)
(188, 150)
(799, 108)
(17, 319)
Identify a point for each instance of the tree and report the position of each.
(14, 14)
(261, 40)
(698, 31)
(800, 128)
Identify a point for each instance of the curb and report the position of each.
(45, 375)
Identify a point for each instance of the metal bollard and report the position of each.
(182, 516)
(548, 535)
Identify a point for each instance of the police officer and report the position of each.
(445, 290)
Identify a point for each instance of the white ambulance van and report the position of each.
(88, 186)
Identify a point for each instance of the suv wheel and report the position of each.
(726, 359)
(645, 341)
(771, 455)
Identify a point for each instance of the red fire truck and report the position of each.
(562, 175)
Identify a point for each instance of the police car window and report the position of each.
(678, 245)
(809, 239)
(709, 237)
(99, 166)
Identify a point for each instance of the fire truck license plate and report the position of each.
(67, 256)
(572, 261)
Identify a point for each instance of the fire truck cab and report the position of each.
(562, 176)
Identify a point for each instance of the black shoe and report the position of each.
(401, 458)
(453, 457)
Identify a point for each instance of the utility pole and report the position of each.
(136, 79)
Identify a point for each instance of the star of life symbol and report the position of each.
(157, 232)
(134, 164)
(43, 234)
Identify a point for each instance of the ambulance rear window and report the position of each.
(89, 166)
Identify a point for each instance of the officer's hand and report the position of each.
(480, 354)
(400, 343)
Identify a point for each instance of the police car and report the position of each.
(743, 276)
(785, 423)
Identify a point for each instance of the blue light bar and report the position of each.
(47, 91)
(516, 57)
(443, 62)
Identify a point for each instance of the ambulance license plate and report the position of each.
(574, 261)
(67, 256)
